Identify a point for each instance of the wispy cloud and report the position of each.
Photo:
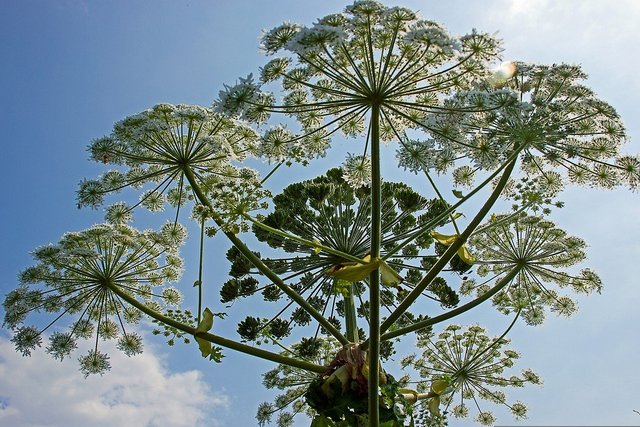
(138, 391)
(593, 33)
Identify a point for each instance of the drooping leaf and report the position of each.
(204, 345)
(448, 240)
(465, 255)
(445, 239)
(355, 272)
(439, 386)
(206, 323)
(434, 406)
(388, 275)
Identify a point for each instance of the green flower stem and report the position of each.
(200, 262)
(490, 346)
(505, 220)
(305, 242)
(374, 279)
(435, 188)
(216, 339)
(271, 173)
(296, 297)
(451, 250)
(350, 315)
(456, 311)
(448, 212)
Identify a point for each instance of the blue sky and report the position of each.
(71, 68)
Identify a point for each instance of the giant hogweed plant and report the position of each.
(348, 265)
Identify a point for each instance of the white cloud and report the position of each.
(138, 391)
(597, 34)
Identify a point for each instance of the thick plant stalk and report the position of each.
(216, 339)
(297, 298)
(374, 278)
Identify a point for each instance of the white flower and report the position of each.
(77, 278)
(356, 171)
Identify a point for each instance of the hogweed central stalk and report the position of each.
(374, 279)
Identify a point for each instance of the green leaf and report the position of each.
(388, 275)
(207, 321)
(196, 283)
(204, 345)
(216, 354)
(457, 193)
(204, 326)
(354, 271)
(448, 240)
(434, 406)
